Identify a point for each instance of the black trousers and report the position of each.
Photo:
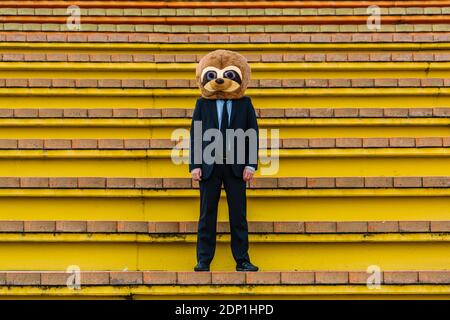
(210, 190)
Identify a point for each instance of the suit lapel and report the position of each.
(235, 105)
(213, 106)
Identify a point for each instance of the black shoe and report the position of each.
(201, 267)
(246, 266)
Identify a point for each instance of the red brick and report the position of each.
(271, 113)
(402, 56)
(409, 82)
(446, 141)
(371, 112)
(188, 226)
(9, 182)
(160, 277)
(63, 83)
(91, 182)
(402, 142)
(321, 113)
(348, 142)
(350, 182)
(339, 83)
(94, 278)
(351, 227)
(136, 144)
(30, 144)
(266, 277)
(292, 83)
(164, 227)
(34, 182)
(132, 226)
(195, 278)
(84, 144)
(272, 57)
(75, 113)
(297, 182)
(441, 112)
(161, 58)
(315, 57)
(295, 143)
(19, 83)
(86, 83)
(400, 277)
(71, 226)
(297, 113)
(109, 83)
(41, 83)
(173, 113)
(440, 226)
(429, 142)
(78, 57)
(150, 183)
(57, 144)
(332, 277)
(293, 57)
(6, 113)
(375, 143)
(262, 183)
(149, 113)
(50, 113)
(110, 144)
(102, 226)
(337, 57)
(100, 57)
(54, 278)
(434, 277)
(358, 57)
(322, 143)
(321, 182)
(11, 226)
(177, 183)
(100, 113)
(320, 227)
(316, 83)
(383, 226)
(297, 277)
(346, 112)
(386, 82)
(423, 56)
(155, 83)
(414, 226)
(396, 112)
(122, 57)
(407, 182)
(260, 227)
(420, 112)
(288, 227)
(436, 182)
(228, 278)
(39, 226)
(61, 182)
(432, 82)
(356, 277)
(23, 278)
(8, 144)
(126, 278)
(120, 183)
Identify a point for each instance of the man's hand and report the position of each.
(248, 174)
(196, 174)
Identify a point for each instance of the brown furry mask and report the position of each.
(223, 74)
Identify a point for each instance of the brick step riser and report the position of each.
(257, 183)
(190, 227)
(263, 83)
(205, 37)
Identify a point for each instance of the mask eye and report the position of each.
(230, 74)
(210, 75)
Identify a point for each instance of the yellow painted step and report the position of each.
(100, 253)
(292, 163)
(270, 292)
(262, 98)
(164, 128)
(263, 205)
(260, 70)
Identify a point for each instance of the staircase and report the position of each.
(86, 177)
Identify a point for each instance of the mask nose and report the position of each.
(219, 81)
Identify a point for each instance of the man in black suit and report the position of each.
(233, 163)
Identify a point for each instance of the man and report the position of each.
(223, 77)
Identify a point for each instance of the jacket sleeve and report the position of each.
(252, 123)
(195, 142)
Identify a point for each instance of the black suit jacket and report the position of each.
(242, 116)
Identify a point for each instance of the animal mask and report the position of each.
(223, 74)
